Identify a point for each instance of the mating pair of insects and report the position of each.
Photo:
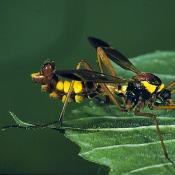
(133, 94)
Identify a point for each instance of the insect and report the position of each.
(91, 86)
(143, 89)
(140, 91)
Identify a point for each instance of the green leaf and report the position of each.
(125, 143)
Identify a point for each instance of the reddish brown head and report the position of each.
(46, 73)
(48, 69)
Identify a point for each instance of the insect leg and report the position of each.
(104, 62)
(170, 85)
(169, 107)
(153, 116)
(81, 64)
(65, 103)
(110, 95)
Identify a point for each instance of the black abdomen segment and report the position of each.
(136, 90)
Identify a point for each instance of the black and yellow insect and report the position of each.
(140, 91)
(76, 90)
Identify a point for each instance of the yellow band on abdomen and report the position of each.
(151, 88)
(64, 86)
(78, 87)
(60, 86)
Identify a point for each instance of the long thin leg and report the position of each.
(103, 61)
(79, 65)
(85, 65)
(170, 85)
(168, 107)
(65, 103)
(110, 95)
(153, 116)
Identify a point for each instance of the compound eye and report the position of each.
(47, 70)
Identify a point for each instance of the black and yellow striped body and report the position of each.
(150, 88)
(146, 81)
(144, 87)
(150, 82)
(62, 88)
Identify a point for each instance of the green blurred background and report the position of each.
(33, 30)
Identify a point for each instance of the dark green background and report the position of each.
(33, 30)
